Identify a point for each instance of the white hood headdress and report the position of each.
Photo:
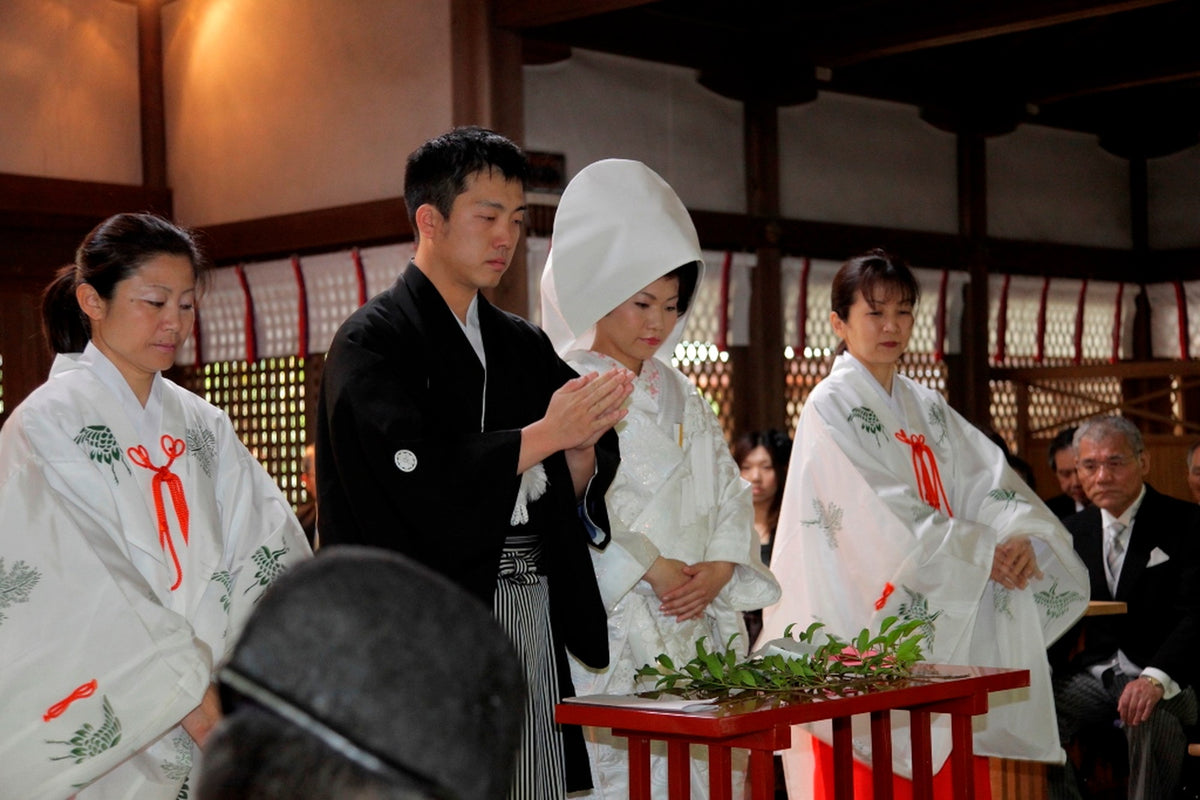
(619, 227)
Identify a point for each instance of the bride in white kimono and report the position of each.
(138, 533)
(896, 505)
(684, 558)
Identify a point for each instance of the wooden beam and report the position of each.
(1123, 370)
(517, 14)
(373, 222)
(25, 194)
(983, 21)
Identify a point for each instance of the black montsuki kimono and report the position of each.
(402, 462)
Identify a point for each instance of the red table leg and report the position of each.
(679, 770)
(639, 768)
(962, 757)
(762, 774)
(922, 755)
(881, 754)
(720, 772)
(843, 759)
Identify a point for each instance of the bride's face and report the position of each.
(634, 330)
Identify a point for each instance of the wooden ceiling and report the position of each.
(1127, 71)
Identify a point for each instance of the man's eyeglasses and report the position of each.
(1090, 466)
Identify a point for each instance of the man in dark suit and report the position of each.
(1136, 670)
(1062, 461)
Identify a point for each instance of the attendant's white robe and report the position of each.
(857, 542)
(678, 493)
(99, 658)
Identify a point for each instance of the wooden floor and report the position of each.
(1018, 780)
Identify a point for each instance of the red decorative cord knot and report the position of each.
(887, 592)
(86, 690)
(925, 468)
(173, 448)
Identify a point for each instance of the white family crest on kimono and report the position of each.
(894, 506)
(128, 562)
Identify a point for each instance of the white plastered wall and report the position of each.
(69, 90)
(1174, 188)
(1047, 185)
(866, 162)
(595, 106)
(281, 106)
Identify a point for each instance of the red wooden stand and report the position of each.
(763, 725)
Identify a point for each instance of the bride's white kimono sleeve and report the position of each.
(894, 507)
(679, 494)
(115, 607)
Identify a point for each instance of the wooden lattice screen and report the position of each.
(266, 400)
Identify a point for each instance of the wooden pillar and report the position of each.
(969, 389)
(759, 378)
(488, 90)
(1139, 234)
(150, 88)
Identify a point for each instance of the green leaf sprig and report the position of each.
(835, 665)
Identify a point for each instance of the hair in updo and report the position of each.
(112, 252)
(876, 274)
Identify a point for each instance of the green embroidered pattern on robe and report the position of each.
(869, 422)
(917, 608)
(224, 578)
(829, 519)
(91, 741)
(937, 419)
(16, 584)
(203, 445)
(1001, 597)
(101, 446)
(1055, 603)
(179, 768)
(1007, 496)
(269, 566)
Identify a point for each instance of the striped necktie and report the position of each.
(1116, 546)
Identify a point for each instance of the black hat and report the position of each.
(391, 665)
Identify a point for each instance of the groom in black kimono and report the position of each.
(450, 431)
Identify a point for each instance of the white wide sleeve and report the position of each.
(92, 667)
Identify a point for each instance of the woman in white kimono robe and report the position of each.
(137, 534)
(612, 294)
(895, 505)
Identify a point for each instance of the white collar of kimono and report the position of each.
(618, 228)
(471, 329)
(894, 404)
(147, 420)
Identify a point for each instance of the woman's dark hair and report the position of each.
(688, 276)
(876, 273)
(779, 447)
(113, 251)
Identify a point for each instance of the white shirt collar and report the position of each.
(1127, 516)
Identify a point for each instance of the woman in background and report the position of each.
(897, 506)
(683, 562)
(138, 533)
(762, 457)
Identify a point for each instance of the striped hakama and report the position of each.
(522, 607)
